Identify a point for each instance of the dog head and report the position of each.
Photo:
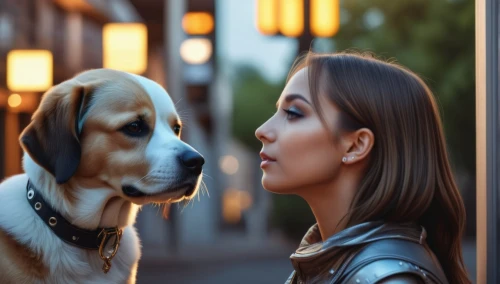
(111, 128)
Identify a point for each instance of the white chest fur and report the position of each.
(66, 263)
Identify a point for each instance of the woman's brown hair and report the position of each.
(409, 178)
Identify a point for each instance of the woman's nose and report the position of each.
(264, 133)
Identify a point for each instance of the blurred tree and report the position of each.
(434, 38)
(254, 102)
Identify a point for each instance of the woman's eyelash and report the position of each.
(290, 114)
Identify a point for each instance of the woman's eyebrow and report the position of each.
(292, 97)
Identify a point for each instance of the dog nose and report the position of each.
(192, 161)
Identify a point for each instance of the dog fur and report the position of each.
(79, 158)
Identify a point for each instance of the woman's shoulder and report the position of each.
(402, 279)
(394, 259)
(387, 271)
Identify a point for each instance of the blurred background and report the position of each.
(224, 62)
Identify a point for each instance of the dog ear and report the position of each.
(52, 137)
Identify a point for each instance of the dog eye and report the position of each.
(136, 128)
(177, 129)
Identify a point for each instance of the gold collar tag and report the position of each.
(107, 235)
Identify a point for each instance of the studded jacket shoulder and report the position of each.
(368, 253)
(386, 259)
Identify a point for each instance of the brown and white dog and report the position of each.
(100, 145)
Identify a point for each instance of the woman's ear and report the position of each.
(52, 137)
(361, 143)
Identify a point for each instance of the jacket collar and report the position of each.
(313, 254)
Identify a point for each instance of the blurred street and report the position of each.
(254, 271)
(236, 261)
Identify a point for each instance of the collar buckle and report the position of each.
(107, 234)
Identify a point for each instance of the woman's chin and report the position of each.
(274, 187)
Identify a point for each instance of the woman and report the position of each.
(361, 141)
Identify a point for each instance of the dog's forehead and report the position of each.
(162, 102)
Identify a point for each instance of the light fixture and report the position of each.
(29, 70)
(125, 47)
(196, 50)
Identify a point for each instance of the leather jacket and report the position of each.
(366, 253)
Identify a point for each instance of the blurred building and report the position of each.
(72, 31)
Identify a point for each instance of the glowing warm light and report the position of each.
(325, 17)
(125, 47)
(234, 202)
(229, 164)
(198, 23)
(74, 5)
(14, 100)
(196, 50)
(29, 70)
(245, 200)
(267, 14)
(291, 17)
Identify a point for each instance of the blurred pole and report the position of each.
(306, 37)
(12, 150)
(3, 114)
(174, 35)
(487, 142)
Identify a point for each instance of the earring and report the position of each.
(351, 158)
(344, 159)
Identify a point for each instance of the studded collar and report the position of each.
(85, 239)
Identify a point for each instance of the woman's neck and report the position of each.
(330, 205)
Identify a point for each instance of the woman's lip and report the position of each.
(265, 157)
(266, 163)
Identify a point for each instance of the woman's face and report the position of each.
(298, 151)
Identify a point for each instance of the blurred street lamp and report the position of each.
(196, 50)
(229, 164)
(125, 47)
(234, 202)
(325, 17)
(198, 23)
(14, 100)
(291, 17)
(267, 19)
(29, 70)
(302, 19)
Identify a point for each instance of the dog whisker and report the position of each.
(184, 115)
(158, 211)
(180, 99)
(144, 177)
(185, 204)
(204, 188)
(207, 176)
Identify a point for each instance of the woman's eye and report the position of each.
(292, 114)
(177, 129)
(136, 128)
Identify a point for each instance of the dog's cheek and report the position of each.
(129, 164)
(95, 151)
(111, 156)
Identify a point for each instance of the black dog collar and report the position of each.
(86, 239)
(61, 227)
